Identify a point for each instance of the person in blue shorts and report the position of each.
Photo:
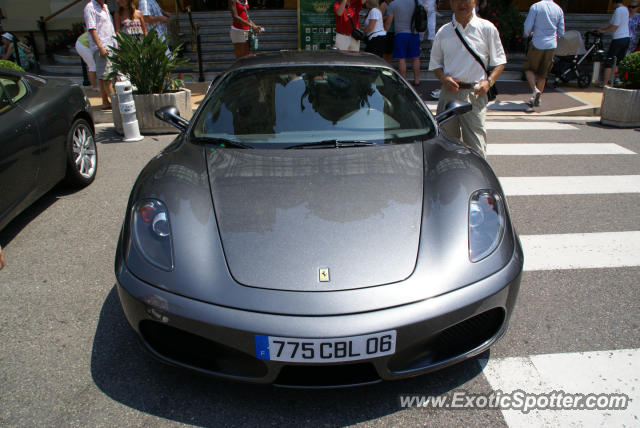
(406, 43)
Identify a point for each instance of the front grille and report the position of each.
(192, 350)
(450, 343)
(327, 376)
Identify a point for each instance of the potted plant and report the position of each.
(10, 64)
(148, 64)
(621, 105)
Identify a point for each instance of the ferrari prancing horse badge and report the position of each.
(324, 274)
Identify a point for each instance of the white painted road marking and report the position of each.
(602, 372)
(544, 149)
(570, 185)
(525, 125)
(581, 250)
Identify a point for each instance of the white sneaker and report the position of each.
(435, 94)
(536, 98)
(534, 101)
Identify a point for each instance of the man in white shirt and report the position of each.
(546, 21)
(619, 25)
(462, 77)
(98, 21)
(432, 9)
(154, 16)
(430, 6)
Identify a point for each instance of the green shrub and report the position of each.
(145, 63)
(629, 71)
(509, 23)
(10, 64)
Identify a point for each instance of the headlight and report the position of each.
(486, 223)
(152, 233)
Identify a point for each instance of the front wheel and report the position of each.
(584, 80)
(82, 155)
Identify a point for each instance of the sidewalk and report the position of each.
(567, 100)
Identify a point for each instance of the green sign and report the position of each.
(316, 24)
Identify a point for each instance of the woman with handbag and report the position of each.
(348, 32)
(242, 27)
(374, 29)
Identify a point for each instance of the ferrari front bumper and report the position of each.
(220, 341)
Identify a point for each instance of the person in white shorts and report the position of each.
(240, 27)
(83, 49)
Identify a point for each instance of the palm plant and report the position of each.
(147, 63)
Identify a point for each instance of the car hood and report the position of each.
(384, 184)
(318, 219)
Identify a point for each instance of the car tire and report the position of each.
(82, 154)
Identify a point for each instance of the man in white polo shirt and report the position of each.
(462, 77)
(619, 24)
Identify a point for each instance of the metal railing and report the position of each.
(42, 23)
(195, 34)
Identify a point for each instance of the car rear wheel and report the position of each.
(82, 155)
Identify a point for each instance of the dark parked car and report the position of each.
(310, 226)
(46, 135)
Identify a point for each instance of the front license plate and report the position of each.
(328, 350)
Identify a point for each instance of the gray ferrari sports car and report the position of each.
(311, 227)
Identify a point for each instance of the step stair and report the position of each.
(281, 33)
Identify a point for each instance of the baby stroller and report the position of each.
(571, 59)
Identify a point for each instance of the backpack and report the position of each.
(419, 19)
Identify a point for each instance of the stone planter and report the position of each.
(620, 107)
(146, 105)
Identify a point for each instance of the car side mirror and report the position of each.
(453, 109)
(171, 115)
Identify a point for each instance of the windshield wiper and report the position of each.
(331, 144)
(221, 142)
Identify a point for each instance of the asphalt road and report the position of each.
(68, 357)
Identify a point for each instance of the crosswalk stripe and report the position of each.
(544, 149)
(523, 125)
(581, 250)
(570, 185)
(601, 372)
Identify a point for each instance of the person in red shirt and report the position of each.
(347, 18)
(240, 27)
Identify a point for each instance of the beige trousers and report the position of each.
(470, 126)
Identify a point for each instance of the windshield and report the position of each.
(310, 104)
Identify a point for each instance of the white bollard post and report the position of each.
(595, 76)
(128, 111)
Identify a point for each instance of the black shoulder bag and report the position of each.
(493, 91)
(357, 33)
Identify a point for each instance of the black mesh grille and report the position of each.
(196, 351)
(325, 376)
(449, 343)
